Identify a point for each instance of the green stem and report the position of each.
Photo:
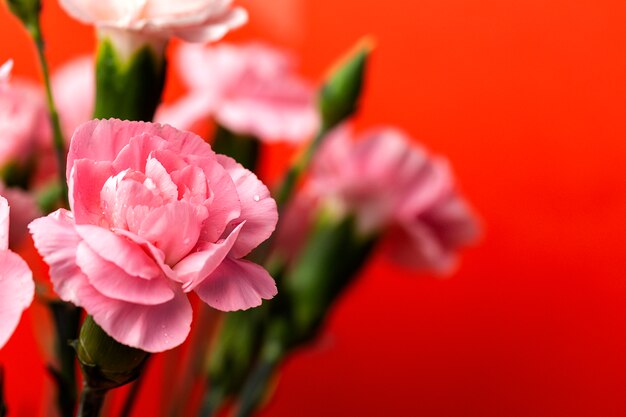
(132, 396)
(67, 321)
(59, 143)
(212, 403)
(243, 148)
(288, 185)
(193, 365)
(91, 401)
(3, 407)
(256, 387)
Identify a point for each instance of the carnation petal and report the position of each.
(56, 240)
(86, 181)
(258, 208)
(151, 328)
(120, 251)
(16, 290)
(175, 242)
(193, 269)
(237, 285)
(113, 282)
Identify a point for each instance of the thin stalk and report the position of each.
(91, 401)
(3, 407)
(57, 134)
(131, 398)
(205, 331)
(67, 322)
(211, 403)
(256, 387)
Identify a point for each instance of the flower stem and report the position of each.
(67, 321)
(132, 396)
(3, 407)
(91, 401)
(256, 386)
(57, 134)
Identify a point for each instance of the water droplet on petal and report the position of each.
(257, 198)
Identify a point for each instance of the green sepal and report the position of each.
(27, 11)
(236, 350)
(333, 255)
(106, 363)
(242, 148)
(18, 175)
(128, 88)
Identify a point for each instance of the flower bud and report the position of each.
(106, 363)
(340, 94)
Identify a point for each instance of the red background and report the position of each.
(527, 98)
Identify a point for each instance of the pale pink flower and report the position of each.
(250, 89)
(394, 187)
(16, 281)
(155, 215)
(153, 20)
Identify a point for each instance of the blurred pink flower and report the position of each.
(191, 20)
(24, 122)
(250, 89)
(23, 211)
(393, 187)
(155, 214)
(16, 281)
(74, 87)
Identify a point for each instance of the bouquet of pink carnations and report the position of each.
(144, 224)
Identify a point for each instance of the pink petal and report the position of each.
(214, 29)
(135, 155)
(16, 292)
(193, 269)
(120, 251)
(237, 285)
(174, 228)
(102, 140)
(113, 282)
(4, 223)
(57, 241)
(258, 208)
(224, 206)
(151, 328)
(85, 184)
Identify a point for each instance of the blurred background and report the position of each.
(527, 98)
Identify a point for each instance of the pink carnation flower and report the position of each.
(16, 281)
(191, 20)
(393, 187)
(24, 122)
(155, 215)
(250, 89)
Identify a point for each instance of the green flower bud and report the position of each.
(106, 363)
(339, 96)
